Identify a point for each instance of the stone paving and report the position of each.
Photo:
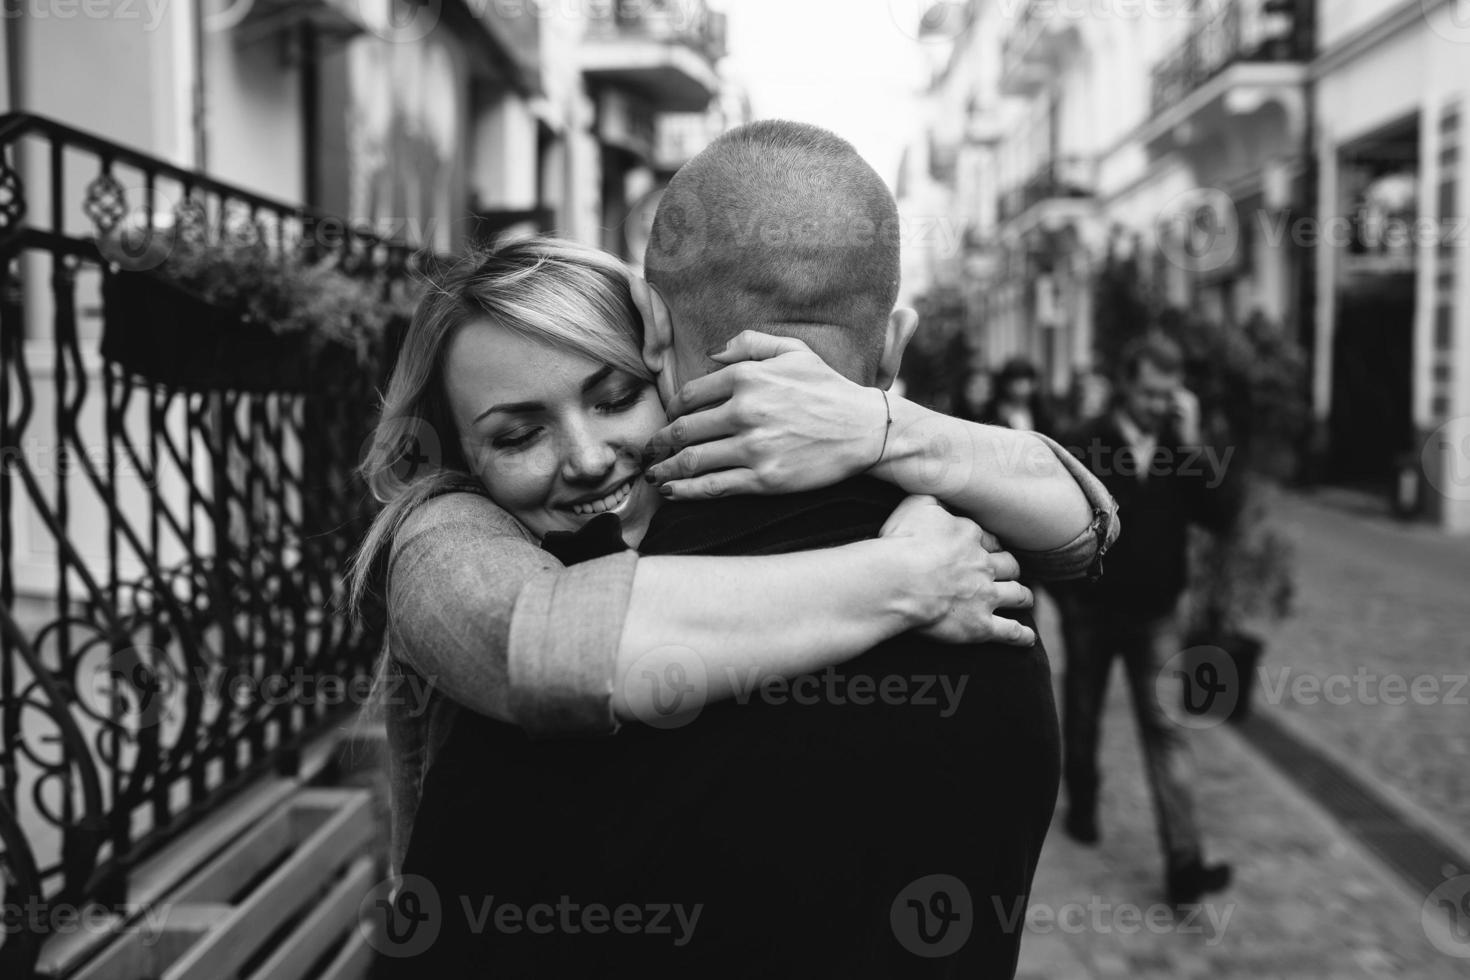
(1307, 904)
(1382, 607)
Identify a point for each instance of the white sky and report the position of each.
(853, 66)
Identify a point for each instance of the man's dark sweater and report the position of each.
(794, 823)
(1147, 569)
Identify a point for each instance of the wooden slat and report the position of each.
(162, 873)
(145, 952)
(334, 915)
(224, 949)
(353, 962)
(221, 879)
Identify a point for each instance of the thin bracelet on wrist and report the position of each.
(887, 425)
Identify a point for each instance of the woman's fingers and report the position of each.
(1013, 595)
(722, 454)
(1004, 567)
(752, 345)
(709, 390)
(1011, 633)
(725, 483)
(692, 429)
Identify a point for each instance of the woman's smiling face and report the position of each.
(555, 437)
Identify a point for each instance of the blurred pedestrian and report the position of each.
(1146, 452)
(1018, 402)
(1089, 395)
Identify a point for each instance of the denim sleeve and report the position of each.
(1082, 556)
(498, 625)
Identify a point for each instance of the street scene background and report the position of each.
(1280, 187)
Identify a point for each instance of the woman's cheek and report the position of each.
(527, 475)
(517, 480)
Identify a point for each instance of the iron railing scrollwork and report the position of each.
(1064, 177)
(1236, 31)
(171, 557)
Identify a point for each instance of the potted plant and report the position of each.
(239, 317)
(1250, 379)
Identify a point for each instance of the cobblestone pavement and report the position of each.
(1382, 607)
(1307, 904)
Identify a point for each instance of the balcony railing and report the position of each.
(1239, 31)
(1024, 59)
(171, 558)
(1070, 177)
(687, 22)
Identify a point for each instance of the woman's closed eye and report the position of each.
(518, 439)
(621, 401)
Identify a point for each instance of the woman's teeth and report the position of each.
(610, 502)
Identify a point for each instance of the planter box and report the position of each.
(166, 334)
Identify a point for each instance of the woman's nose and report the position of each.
(587, 458)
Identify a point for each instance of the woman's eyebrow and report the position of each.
(511, 408)
(596, 378)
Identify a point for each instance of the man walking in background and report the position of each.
(1147, 453)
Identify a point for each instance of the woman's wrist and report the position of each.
(900, 577)
(920, 454)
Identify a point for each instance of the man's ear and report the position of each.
(658, 326)
(902, 323)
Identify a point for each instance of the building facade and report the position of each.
(1291, 160)
(444, 122)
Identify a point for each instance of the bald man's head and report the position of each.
(780, 227)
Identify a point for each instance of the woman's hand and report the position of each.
(776, 420)
(959, 575)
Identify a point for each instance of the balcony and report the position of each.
(1059, 191)
(663, 51)
(1039, 43)
(1248, 55)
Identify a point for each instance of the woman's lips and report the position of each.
(612, 501)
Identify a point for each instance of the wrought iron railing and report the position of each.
(1235, 31)
(171, 556)
(1061, 177)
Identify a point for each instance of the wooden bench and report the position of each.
(267, 889)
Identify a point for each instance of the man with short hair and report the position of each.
(870, 836)
(1146, 453)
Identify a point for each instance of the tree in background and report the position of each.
(936, 366)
